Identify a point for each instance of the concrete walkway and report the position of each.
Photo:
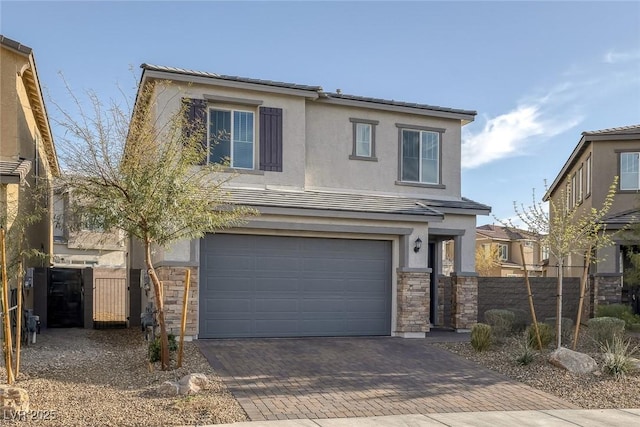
(334, 378)
(550, 418)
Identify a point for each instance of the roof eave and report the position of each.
(464, 117)
(213, 81)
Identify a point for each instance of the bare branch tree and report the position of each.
(128, 170)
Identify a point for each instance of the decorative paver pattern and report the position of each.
(315, 378)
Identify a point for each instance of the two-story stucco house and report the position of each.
(28, 159)
(355, 194)
(586, 176)
(506, 244)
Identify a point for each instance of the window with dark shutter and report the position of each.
(196, 121)
(271, 139)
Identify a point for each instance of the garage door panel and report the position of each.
(312, 306)
(228, 284)
(275, 286)
(227, 305)
(275, 305)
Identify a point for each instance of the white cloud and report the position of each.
(613, 57)
(509, 134)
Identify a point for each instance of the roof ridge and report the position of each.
(612, 130)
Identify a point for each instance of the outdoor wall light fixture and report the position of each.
(418, 245)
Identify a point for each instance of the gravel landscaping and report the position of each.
(80, 377)
(590, 391)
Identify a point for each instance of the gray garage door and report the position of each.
(272, 286)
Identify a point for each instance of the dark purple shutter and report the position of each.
(271, 139)
(196, 120)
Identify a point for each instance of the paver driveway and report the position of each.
(361, 377)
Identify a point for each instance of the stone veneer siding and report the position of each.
(464, 307)
(413, 302)
(607, 290)
(172, 279)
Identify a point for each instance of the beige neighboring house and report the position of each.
(355, 194)
(586, 177)
(505, 244)
(28, 159)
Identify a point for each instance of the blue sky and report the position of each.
(538, 73)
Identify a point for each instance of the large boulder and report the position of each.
(168, 388)
(193, 383)
(189, 384)
(13, 399)
(573, 361)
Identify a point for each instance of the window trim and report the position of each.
(506, 252)
(372, 123)
(587, 177)
(231, 148)
(579, 179)
(619, 155)
(440, 131)
(573, 190)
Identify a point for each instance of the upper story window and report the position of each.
(237, 135)
(503, 252)
(420, 155)
(629, 171)
(579, 180)
(231, 137)
(587, 177)
(364, 139)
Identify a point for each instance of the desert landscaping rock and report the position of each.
(591, 391)
(192, 384)
(573, 361)
(13, 399)
(83, 377)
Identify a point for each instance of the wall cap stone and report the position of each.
(413, 270)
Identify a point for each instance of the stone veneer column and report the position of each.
(607, 290)
(172, 279)
(413, 302)
(464, 294)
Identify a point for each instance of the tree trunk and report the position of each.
(157, 289)
(559, 306)
(583, 286)
(530, 296)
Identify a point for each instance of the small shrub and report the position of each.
(546, 335)
(501, 322)
(618, 357)
(155, 347)
(521, 319)
(481, 336)
(619, 311)
(524, 353)
(604, 329)
(566, 328)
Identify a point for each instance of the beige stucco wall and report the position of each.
(293, 123)
(329, 142)
(20, 137)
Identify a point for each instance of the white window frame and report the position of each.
(637, 158)
(421, 133)
(365, 141)
(371, 155)
(573, 190)
(231, 139)
(587, 181)
(503, 252)
(579, 180)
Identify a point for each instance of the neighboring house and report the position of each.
(28, 159)
(586, 177)
(85, 245)
(504, 243)
(355, 197)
